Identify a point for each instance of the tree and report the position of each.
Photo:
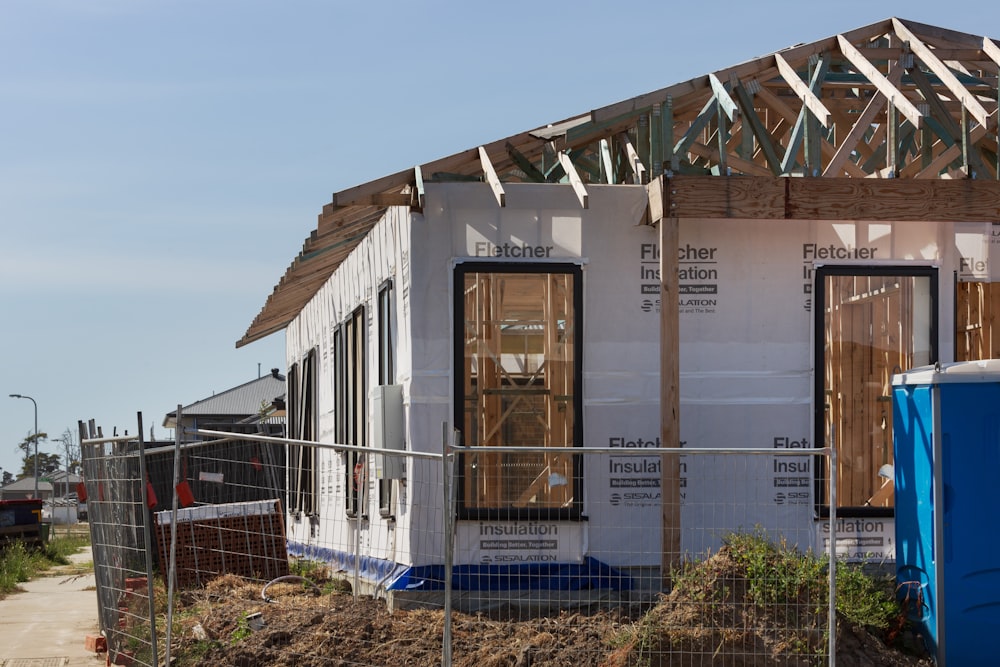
(48, 464)
(71, 456)
(28, 459)
(7, 478)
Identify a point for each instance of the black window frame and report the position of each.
(575, 511)
(822, 506)
(385, 315)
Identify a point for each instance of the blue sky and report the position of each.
(162, 162)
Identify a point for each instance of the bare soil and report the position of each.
(300, 627)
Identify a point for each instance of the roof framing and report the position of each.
(896, 99)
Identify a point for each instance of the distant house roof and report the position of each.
(27, 484)
(236, 403)
(62, 477)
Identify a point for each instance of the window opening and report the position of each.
(519, 355)
(386, 316)
(350, 404)
(302, 426)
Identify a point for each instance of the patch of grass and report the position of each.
(20, 563)
(310, 569)
(59, 549)
(196, 652)
(242, 630)
(777, 574)
(866, 600)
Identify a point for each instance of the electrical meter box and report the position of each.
(388, 431)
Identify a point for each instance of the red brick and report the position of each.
(135, 583)
(95, 643)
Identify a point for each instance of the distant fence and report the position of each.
(586, 531)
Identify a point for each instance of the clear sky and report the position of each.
(161, 162)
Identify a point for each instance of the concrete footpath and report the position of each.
(47, 624)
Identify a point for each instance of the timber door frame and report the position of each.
(820, 403)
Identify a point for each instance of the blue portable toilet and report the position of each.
(946, 438)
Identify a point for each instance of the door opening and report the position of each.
(871, 322)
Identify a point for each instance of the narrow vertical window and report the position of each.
(519, 385)
(386, 320)
(350, 392)
(302, 426)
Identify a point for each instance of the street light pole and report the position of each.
(36, 437)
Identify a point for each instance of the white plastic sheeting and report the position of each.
(746, 346)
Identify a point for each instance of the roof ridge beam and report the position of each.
(948, 78)
(805, 93)
(884, 86)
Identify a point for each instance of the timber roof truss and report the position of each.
(895, 99)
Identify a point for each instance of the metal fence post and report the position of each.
(146, 533)
(833, 553)
(172, 565)
(449, 542)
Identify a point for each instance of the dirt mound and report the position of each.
(717, 615)
(219, 626)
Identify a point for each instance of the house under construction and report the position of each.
(742, 259)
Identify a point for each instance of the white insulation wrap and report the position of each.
(746, 351)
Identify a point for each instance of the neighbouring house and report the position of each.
(63, 483)
(24, 489)
(241, 404)
(232, 471)
(755, 251)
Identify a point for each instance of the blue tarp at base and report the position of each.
(590, 575)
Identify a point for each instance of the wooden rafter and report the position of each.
(947, 78)
(574, 180)
(863, 65)
(898, 98)
(492, 178)
(805, 93)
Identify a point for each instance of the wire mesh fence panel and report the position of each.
(603, 557)
(342, 569)
(680, 557)
(118, 521)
